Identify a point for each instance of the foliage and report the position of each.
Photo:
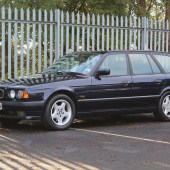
(149, 8)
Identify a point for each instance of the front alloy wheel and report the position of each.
(59, 113)
(163, 113)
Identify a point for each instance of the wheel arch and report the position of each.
(65, 92)
(165, 91)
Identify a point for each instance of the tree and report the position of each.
(141, 8)
(167, 13)
(116, 7)
(167, 16)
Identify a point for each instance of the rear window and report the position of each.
(164, 61)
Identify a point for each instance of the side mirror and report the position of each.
(102, 72)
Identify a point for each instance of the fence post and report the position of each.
(167, 36)
(144, 33)
(3, 44)
(57, 34)
(9, 42)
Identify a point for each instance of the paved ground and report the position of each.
(131, 142)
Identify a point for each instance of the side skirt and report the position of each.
(116, 111)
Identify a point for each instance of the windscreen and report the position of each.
(82, 64)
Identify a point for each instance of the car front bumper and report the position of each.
(22, 110)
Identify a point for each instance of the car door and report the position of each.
(112, 92)
(147, 80)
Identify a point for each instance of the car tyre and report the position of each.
(9, 121)
(59, 113)
(163, 113)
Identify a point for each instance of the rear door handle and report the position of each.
(125, 83)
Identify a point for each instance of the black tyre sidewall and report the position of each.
(46, 118)
(161, 114)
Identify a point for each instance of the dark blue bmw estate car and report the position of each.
(90, 83)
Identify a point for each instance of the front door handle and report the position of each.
(158, 81)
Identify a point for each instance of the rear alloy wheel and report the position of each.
(59, 113)
(163, 113)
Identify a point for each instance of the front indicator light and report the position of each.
(25, 94)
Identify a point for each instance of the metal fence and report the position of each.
(31, 40)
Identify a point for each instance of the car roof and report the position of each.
(89, 52)
(119, 51)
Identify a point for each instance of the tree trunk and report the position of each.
(141, 8)
(167, 16)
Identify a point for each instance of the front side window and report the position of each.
(164, 61)
(140, 64)
(117, 64)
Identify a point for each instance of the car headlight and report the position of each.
(12, 94)
(20, 94)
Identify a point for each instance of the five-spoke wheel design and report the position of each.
(166, 105)
(163, 112)
(59, 112)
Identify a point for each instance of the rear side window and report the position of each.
(117, 64)
(154, 66)
(140, 64)
(164, 62)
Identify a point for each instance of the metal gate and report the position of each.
(31, 40)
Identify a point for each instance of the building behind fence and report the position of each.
(31, 40)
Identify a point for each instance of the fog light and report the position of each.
(12, 94)
(21, 113)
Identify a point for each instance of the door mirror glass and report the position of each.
(103, 72)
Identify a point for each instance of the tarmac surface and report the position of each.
(127, 142)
